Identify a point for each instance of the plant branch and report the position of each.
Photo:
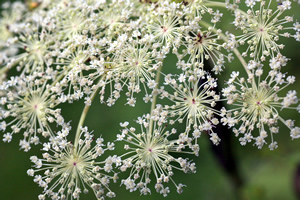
(153, 104)
(83, 116)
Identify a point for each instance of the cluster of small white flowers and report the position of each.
(66, 170)
(257, 103)
(58, 52)
(148, 153)
(263, 27)
(203, 45)
(193, 101)
(28, 106)
(10, 15)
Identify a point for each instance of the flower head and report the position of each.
(68, 170)
(11, 14)
(262, 29)
(197, 8)
(73, 19)
(149, 154)
(137, 66)
(193, 100)
(204, 45)
(164, 23)
(257, 104)
(28, 107)
(34, 46)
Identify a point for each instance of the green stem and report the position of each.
(153, 104)
(3, 70)
(83, 116)
(60, 77)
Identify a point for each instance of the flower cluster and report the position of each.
(257, 103)
(29, 107)
(193, 101)
(67, 170)
(263, 27)
(53, 53)
(149, 153)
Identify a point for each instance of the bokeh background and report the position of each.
(262, 174)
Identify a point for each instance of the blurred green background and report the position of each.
(267, 175)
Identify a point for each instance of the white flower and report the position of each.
(7, 137)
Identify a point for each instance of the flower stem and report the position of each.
(83, 116)
(153, 104)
